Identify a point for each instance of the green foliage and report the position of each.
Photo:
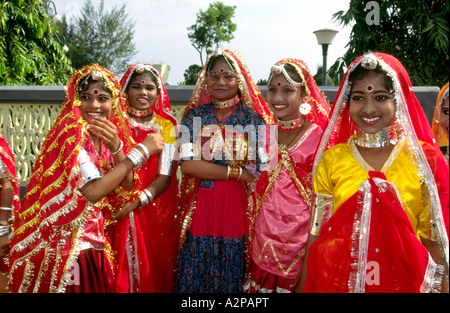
(415, 32)
(30, 54)
(191, 74)
(99, 36)
(212, 27)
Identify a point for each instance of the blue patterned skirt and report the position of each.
(211, 265)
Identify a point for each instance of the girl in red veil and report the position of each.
(81, 178)
(146, 239)
(9, 202)
(377, 220)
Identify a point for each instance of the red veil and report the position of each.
(348, 275)
(50, 222)
(146, 240)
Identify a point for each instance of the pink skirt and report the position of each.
(221, 211)
(258, 280)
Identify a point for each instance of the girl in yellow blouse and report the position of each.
(377, 223)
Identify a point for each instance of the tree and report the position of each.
(99, 36)
(30, 54)
(415, 32)
(332, 77)
(212, 27)
(191, 74)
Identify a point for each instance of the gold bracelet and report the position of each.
(234, 172)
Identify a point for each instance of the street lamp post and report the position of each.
(325, 38)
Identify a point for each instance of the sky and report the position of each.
(267, 31)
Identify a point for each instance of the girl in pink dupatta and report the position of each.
(282, 196)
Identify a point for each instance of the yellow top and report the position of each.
(167, 129)
(342, 170)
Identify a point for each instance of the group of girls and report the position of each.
(349, 198)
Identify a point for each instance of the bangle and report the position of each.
(4, 230)
(228, 172)
(5, 208)
(136, 157)
(149, 195)
(118, 149)
(234, 172)
(240, 173)
(144, 199)
(147, 154)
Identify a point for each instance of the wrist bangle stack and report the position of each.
(2, 208)
(136, 157)
(234, 172)
(4, 228)
(118, 149)
(147, 154)
(145, 197)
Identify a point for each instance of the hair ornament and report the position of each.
(369, 62)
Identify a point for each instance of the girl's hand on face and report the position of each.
(106, 131)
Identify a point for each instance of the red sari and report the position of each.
(146, 240)
(368, 243)
(54, 220)
(385, 249)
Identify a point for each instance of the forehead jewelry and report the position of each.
(369, 88)
(279, 84)
(96, 75)
(221, 70)
(279, 69)
(95, 91)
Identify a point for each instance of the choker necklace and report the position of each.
(226, 104)
(139, 113)
(291, 125)
(381, 139)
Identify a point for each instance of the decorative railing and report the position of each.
(27, 113)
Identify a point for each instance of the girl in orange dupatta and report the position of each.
(377, 223)
(9, 202)
(82, 176)
(146, 240)
(282, 194)
(440, 123)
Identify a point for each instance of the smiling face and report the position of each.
(284, 99)
(443, 117)
(95, 101)
(222, 81)
(372, 106)
(142, 91)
